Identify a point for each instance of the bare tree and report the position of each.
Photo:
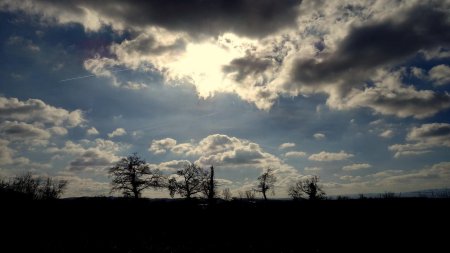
(266, 182)
(226, 193)
(53, 189)
(188, 181)
(308, 187)
(131, 175)
(34, 187)
(250, 195)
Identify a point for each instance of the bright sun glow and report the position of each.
(202, 63)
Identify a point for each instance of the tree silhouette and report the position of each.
(131, 175)
(188, 181)
(308, 187)
(226, 193)
(210, 186)
(266, 181)
(29, 186)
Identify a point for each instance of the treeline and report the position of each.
(132, 175)
(30, 187)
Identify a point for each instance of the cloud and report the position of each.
(35, 110)
(88, 155)
(440, 74)
(319, 136)
(92, 131)
(391, 40)
(21, 42)
(6, 153)
(286, 145)
(356, 166)
(327, 156)
(422, 139)
(389, 96)
(118, 132)
(196, 17)
(387, 133)
(313, 169)
(346, 71)
(161, 146)
(24, 132)
(92, 159)
(295, 154)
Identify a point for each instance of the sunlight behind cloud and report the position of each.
(202, 64)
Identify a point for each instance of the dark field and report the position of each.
(127, 225)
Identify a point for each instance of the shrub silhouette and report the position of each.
(308, 187)
(31, 187)
(131, 175)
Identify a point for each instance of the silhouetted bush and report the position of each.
(308, 187)
(30, 187)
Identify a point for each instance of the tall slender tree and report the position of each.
(131, 175)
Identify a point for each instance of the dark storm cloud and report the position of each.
(370, 46)
(246, 66)
(248, 17)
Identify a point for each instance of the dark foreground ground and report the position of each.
(124, 225)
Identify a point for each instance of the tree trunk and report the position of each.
(264, 194)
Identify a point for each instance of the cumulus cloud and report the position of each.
(92, 131)
(387, 133)
(118, 132)
(25, 133)
(422, 139)
(261, 50)
(389, 96)
(230, 152)
(286, 145)
(35, 110)
(356, 166)
(6, 153)
(319, 136)
(295, 154)
(88, 155)
(161, 146)
(329, 156)
(440, 74)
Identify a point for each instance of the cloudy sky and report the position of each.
(356, 92)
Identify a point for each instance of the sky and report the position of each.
(355, 92)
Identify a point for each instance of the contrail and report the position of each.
(81, 77)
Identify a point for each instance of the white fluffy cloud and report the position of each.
(387, 133)
(440, 74)
(92, 131)
(295, 154)
(36, 111)
(329, 156)
(161, 146)
(319, 136)
(286, 145)
(424, 138)
(118, 132)
(88, 155)
(356, 166)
